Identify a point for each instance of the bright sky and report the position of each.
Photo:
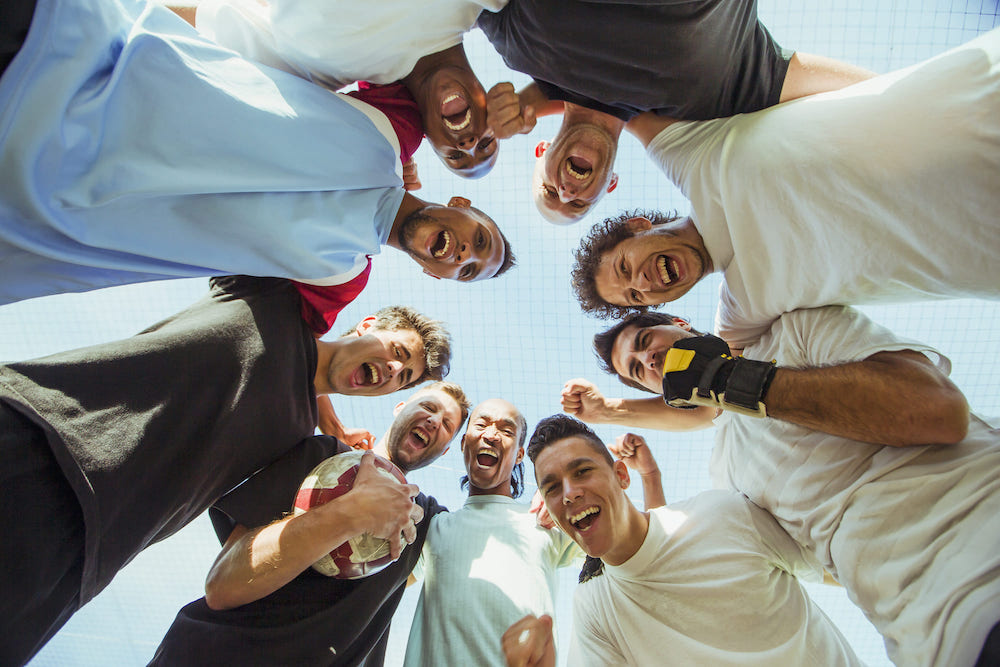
(522, 336)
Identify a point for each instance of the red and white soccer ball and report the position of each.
(359, 556)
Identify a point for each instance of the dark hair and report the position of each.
(436, 339)
(603, 237)
(559, 427)
(517, 472)
(604, 342)
(509, 261)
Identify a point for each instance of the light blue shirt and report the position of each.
(133, 149)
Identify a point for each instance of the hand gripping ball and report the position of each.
(359, 556)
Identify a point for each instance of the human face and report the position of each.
(422, 429)
(638, 352)
(453, 242)
(452, 103)
(491, 447)
(656, 265)
(371, 362)
(586, 498)
(574, 172)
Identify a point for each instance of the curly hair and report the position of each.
(559, 427)
(603, 237)
(436, 339)
(604, 342)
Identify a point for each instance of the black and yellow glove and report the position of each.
(700, 371)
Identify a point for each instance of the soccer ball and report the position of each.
(359, 556)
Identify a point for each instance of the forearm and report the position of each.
(891, 398)
(809, 74)
(255, 563)
(185, 12)
(646, 126)
(652, 490)
(655, 414)
(531, 95)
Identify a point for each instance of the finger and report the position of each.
(395, 545)
(417, 513)
(529, 120)
(500, 89)
(412, 490)
(410, 532)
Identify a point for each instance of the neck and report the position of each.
(408, 206)
(381, 448)
(574, 114)
(635, 535)
(428, 65)
(502, 489)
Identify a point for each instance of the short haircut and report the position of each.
(604, 342)
(603, 237)
(456, 392)
(559, 427)
(517, 472)
(436, 339)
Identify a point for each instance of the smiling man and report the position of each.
(120, 445)
(308, 187)
(486, 564)
(264, 604)
(603, 63)
(798, 209)
(857, 442)
(670, 577)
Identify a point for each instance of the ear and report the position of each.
(683, 324)
(621, 471)
(365, 324)
(459, 202)
(520, 456)
(432, 275)
(461, 443)
(445, 450)
(540, 148)
(640, 224)
(614, 182)
(399, 406)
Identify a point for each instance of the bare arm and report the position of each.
(330, 424)
(509, 112)
(185, 12)
(646, 126)
(583, 400)
(633, 450)
(255, 563)
(890, 398)
(809, 74)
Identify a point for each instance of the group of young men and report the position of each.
(140, 143)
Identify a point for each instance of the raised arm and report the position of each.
(509, 112)
(582, 399)
(632, 449)
(809, 74)
(330, 424)
(255, 563)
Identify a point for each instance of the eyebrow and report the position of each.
(572, 465)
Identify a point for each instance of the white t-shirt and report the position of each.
(338, 42)
(912, 533)
(884, 191)
(484, 567)
(712, 584)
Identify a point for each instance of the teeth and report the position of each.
(466, 121)
(661, 265)
(576, 518)
(420, 435)
(373, 375)
(447, 245)
(488, 451)
(578, 175)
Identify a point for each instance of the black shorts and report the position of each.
(15, 19)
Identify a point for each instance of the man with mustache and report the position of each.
(134, 149)
(602, 63)
(486, 563)
(113, 447)
(263, 602)
(857, 443)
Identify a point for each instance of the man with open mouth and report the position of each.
(667, 577)
(129, 441)
(308, 186)
(488, 562)
(264, 604)
(796, 210)
(602, 64)
(856, 441)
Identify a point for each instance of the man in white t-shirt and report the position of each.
(883, 191)
(844, 459)
(710, 580)
(487, 564)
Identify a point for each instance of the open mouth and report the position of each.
(487, 457)
(370, 373)
(668, 269)
(456, 113)
(442, 245)
(583, 519)
(579, 168)
(421, 437)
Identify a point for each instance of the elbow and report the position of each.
(943, 421)
(218, 596)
